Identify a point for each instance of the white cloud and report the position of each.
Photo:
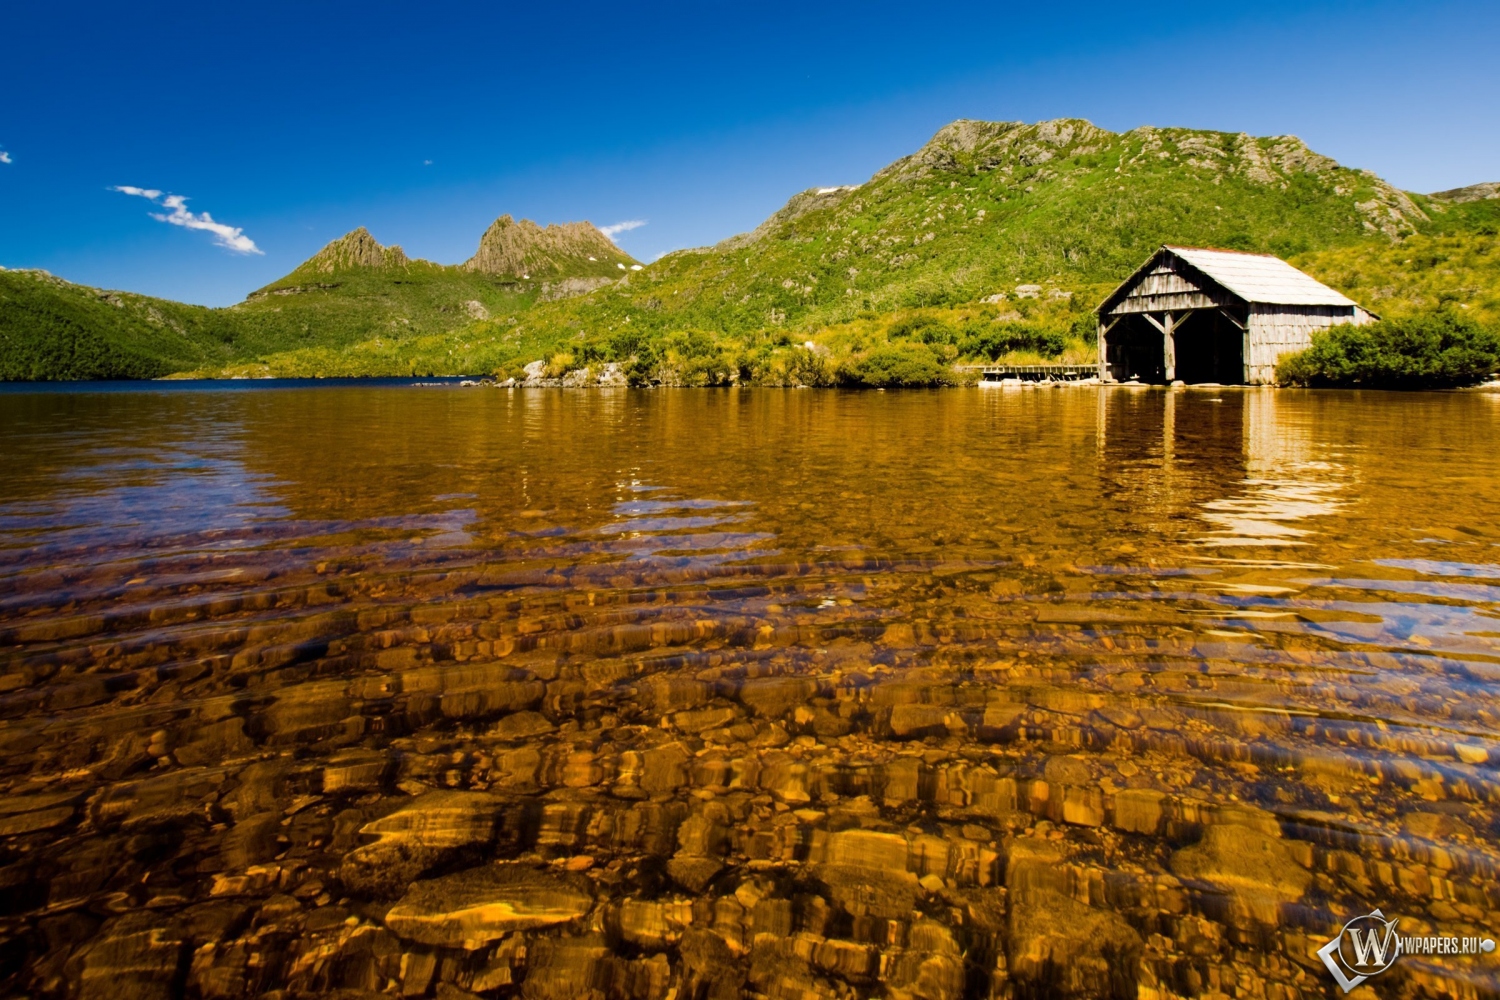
(177, 214)
(5, 157)
(426, 163)
(622, 227)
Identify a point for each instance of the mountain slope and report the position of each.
(981, 209)
(985, 206)
(355, 289)
(54, 329)
(352, 291)
(994, 238)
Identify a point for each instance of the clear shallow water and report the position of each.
(920, 694)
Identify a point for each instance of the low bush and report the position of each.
(926, 329)
(994, 340)
(1435, 350)
(809, 367)
(895, 366)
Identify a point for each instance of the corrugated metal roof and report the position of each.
(1257, 277)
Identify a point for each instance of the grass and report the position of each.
(1422, 273)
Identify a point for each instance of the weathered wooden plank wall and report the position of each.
(1277, 330)
(1164, 289)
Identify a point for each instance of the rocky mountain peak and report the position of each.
(525, 250)
(357, 249)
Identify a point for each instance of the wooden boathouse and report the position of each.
(1195, 315)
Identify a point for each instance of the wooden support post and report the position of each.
(1103, 364)
(1169, 347)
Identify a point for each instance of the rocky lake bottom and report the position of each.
(708, 694)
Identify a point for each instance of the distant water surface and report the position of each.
(695, 693)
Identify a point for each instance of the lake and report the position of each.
(688, 694)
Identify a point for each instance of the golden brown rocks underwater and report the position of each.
(706, 695)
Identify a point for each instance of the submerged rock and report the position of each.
(1249, 863)
(418, 835)
(1058, 945)
(472, 908)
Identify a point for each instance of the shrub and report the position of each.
(895, 366)
(992, 340)
(807, 367)
(1435, 350)
(927, 329)
(718, 368)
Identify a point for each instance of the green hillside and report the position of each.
(353, 292)
(993, 239)
(53, 329)
(1454, 263)
(932, 250)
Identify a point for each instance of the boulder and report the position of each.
(470, 909)
(1059, 946)
(135, 957)
(1249, 864)
(931, 967)
(421, 833)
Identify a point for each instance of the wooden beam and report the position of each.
(1169, 347)
(1230, 316)
(1156, 322)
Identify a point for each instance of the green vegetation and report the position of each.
(51, 329)
(1457, 270)
(336, 311)
(1436, 350)
(992, 242)
(896, 366)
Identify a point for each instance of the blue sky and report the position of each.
(295, 122)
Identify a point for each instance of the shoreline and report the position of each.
(488, 382)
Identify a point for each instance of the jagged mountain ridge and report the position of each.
(357, 249)
(508, 250)
(1022, 152)
(525, 250)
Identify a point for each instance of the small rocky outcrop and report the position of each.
(1474, 192)
(799, 205)
(536, 375)
(568, 288)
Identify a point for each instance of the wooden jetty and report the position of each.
(1036, 373)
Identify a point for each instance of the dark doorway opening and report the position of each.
(1133, 349)
(1210, 349)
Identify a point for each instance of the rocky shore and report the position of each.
(611, 374)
